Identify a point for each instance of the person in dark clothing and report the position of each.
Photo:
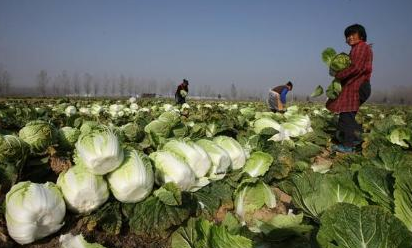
(277, 97)
(356, 88)
(181, 92)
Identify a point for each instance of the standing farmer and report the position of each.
(356, 88)
(277, 97)
(181, 92)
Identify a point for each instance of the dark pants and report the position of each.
(347, 125)
(179, 99)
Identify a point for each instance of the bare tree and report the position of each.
(5, 80)
(106, 83)
(88, 83)
(56, 86)
(65, 82)
(152, 86)
(233, 91)
(42, 80)
(96, 87)
(130, 84)
(207, 90)
(76, 84)
(114, 87)
(123, 85)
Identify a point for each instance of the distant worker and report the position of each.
(277, 97)
(356, 88)
(181, 92)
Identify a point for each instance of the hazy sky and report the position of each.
(254, 44)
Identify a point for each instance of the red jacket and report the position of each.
(352, 78)
(182, 87)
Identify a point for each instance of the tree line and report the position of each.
(88, 85)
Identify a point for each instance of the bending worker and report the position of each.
(277, 97)
(181, 92)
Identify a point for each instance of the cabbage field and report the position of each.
(206, 174)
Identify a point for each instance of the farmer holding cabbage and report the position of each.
(277, 97)
(181, 92)
(356, 88)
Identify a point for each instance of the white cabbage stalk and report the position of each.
(133, 180)
(100, 151)
(96, 110)
(193, 155)
(169, 168)
(185, 106)
(303, 121)
(84, 111)
(134, 107)
(251, 197)
(34, 211)
(70, 110)
(234, 149)
(82, 190)
(132, 99)
(168, 107)
(293, 130)
(70, 241)
(281, 136)
(265, 122)
(144, 110)
(115, 107)
(219, 157)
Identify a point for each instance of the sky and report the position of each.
(253, 44)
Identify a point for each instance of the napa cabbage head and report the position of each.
(221, 161)
(133, 132)
(82, 190)
(70, 241)
(334, 89)
(252, 195)
(234, 149)
(133, 180)
(260, 124)
(70, 111)
(192, 154)
(339, 62)
(13, 150)
(34, 211)
(39, 135)
(400, 136)
(67, 137)
(170, 168)
(183, 93)
(99, 150)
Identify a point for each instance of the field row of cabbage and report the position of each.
(148, 173)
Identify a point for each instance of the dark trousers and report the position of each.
(179, 99)
(347, 125)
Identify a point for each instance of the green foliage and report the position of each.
(39, 135)
(327, 55)
(169, 194)
(339, 62)
(334, 89)
(107, 218)
(349, 226)
(313, 192)
(403, 196)
(377, 183)
(317, 92)
(213, 196)
(258, 164)
(284, 226)
(154, 219)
